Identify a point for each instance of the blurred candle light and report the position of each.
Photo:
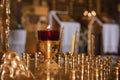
(93, 13)
(89, 13)
(73, 44)
(48, 27)
(85, 13)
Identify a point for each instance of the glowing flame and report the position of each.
(48, 27)
(87, 13)
(93, 13)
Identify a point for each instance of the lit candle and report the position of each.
(73, 44)
(61, 39)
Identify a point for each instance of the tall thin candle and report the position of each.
(61, 39)
(73, 44)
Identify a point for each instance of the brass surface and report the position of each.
(95, 68)
(49, 48)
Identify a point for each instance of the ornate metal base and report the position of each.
(48, 66)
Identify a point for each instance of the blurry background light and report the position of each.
(19, 0)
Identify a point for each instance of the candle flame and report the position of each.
(48, 27)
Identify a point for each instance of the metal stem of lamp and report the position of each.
(4, 26)
(5, 23)
(91, 37)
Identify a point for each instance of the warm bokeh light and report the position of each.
(48, 27)
(85, 13)
(19, 0)
(89, 13)
(93, 13)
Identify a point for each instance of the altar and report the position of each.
(62, 19)
(49, 63)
